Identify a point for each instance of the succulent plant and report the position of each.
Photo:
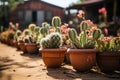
(53, 40)
(45, 29)
(26, 32)
(108, 44)
(17, 34)
(86, 38)
(31, 27)
(56, 21)
(28, 39)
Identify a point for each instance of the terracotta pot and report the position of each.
(22, 47)
(32, 48)
(16, 45)
(82, 59)
(108, 61)
(11, 42)
(53, 57)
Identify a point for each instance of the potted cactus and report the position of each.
(22, 40)
(108, 57)
(17, 34)
(31, 44)
(83, 52)
(51, 46)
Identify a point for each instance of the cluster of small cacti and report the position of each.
(86, 38)
(25, 37)
(108, 44)
(53, 40)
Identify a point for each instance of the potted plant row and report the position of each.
(28, 39)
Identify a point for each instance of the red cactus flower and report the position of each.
(81, 14)
(52, 30)
(17, 24)
(10, 23)
(106, 31)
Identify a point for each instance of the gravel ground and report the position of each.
(16, 66)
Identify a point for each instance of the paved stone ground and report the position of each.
(16, 66)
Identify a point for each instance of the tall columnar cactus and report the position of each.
(72, 34)
(53, 40)
(56, 21)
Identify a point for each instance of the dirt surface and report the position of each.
(14, 65)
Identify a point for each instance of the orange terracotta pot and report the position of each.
(11, 42)
(22, 47)
(16, 45)
(108, 61)
(32, 48)
(53, 57)
(82, 59)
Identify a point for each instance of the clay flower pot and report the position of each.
(108, 61)
(22, 47)
(16, 45)
(11, 42)
(53, 58)
(32, 48)
(82, 59)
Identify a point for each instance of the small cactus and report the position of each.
(53, 40)
(45, 29)
(28, 39)
(96, 34)
(72, 34)
(32, 27)
(56, 21)
(84, 26)
(17, 34)
(26, 32)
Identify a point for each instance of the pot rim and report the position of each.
(57, 49)
(82, 50)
